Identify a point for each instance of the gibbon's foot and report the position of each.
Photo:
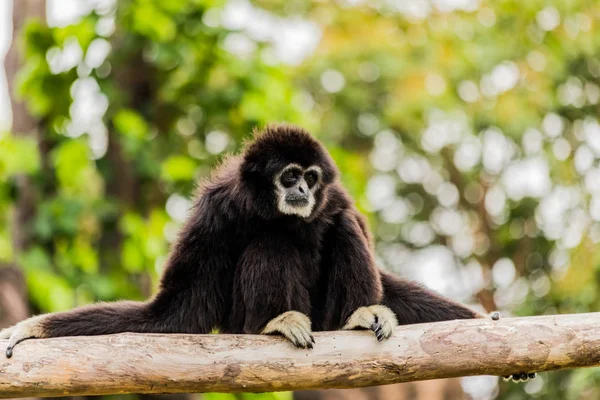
(26, 329)
(295, 326)
(379, 319)
(521, 377)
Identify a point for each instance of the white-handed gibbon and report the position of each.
(272, 244)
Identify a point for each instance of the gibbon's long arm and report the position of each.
(412, 303)
(191, 298)
(354, 288)
(268, 295)
(98, 319)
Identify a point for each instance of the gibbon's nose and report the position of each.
(303, 187)
(297, 195)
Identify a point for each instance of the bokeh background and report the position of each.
(467, 131)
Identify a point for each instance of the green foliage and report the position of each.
(18, 156)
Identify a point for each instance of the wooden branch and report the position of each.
(135, 363)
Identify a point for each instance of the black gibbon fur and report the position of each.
(239, 262)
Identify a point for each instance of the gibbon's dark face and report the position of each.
(287, 171)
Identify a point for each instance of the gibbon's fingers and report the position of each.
(361, 318)
(380, 319)
(307, 337)
(521, 377)
(295, 326)
(387, 321)
(27, 329)
(301, 336)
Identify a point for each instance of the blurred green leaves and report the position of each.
(18, 156)
(150, 21)
(178, 168)
(130, 123)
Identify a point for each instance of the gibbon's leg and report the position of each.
(269, 291)
(354, 287)
(166, 313)
(193, 297)
(520, 376)
(414, 304)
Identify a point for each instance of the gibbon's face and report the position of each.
(286, 171)
(296, 188)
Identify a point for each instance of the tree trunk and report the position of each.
(134, 363)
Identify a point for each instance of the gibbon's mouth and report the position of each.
(297, 201)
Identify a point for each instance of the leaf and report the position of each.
(178, 168)
(150, 21)
(130, 123)
(132, 257)
(18, 156)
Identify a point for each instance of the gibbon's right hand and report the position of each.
(295, 326)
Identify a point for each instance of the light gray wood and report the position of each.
(135, 363)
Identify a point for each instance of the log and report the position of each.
(156, 363)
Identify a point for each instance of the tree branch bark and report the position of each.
(134, 363)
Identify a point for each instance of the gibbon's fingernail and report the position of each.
(309, 345)
(375, 326)
(533, 375)
(9, 352)
(312, 339)
(495, 315)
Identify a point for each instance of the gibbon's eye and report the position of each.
(290, 177)
(311, 178)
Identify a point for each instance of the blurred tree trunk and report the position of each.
(13, 301)
(23, 124)
(13, 291)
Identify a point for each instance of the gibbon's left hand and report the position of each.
(379, 319)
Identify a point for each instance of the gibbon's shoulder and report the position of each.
(220, 193)
(337, 200)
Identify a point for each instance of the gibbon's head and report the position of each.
(288, 172)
